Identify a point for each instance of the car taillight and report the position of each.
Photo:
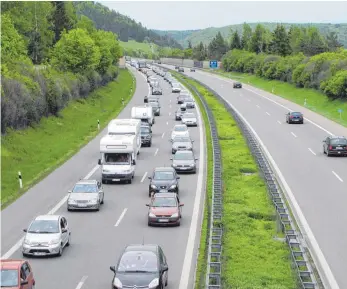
(330, 147)
(291, 116)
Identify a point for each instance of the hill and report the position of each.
(206, 35)
(125, 27)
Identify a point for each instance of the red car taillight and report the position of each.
(330, 147)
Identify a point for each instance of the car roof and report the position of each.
(165, 195)
(142, 247)
(164, 169)
(87, 182)
(11, 263)
(48, 217)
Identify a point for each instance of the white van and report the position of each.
(118, 158)
(143, 113)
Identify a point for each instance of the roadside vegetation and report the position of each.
(252, 257)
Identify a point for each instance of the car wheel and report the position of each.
(149, 194)
(102, 201)
(130, 181)
(68, 241)
(172, 152)
(60, 253)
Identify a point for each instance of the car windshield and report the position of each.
(180, 128)
(338, 141)
(181, 139)
(296, 113)
(189, 115)
(44, 227)
(85, 188)
(117, 159)
(164, 202)
(138, 261)
(183, 156)
(145, 130)
(154, 104)
(162, 175)
(9, 278)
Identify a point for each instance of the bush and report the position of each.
(325, 71)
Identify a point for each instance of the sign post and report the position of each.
(213, 64)
(340, 112)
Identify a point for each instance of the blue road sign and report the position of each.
(340, 110)
(213, 64)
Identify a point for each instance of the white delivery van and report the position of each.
(118, 158)
(143, 113)
(126, 127)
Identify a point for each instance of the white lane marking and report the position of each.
(121, 217)
(193, 233)
(156, 151)
(170, 105)
(144, 176)
(57, 206)
(294, 135)
(312, 151)
(167, 123)
(170, 100)
(81, 283)
(169, 113)
(258, 106)
(162, 136)
(91, 172)
(267, 113)
(279, 122)
(338, 177)
(316, 252)
(249, 100)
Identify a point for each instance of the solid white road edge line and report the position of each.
(188, 257)
(312, 151)
(337, 176)
(156, 151)
(81, 283)
(121, 217)
(144, 176)
(294, 135)
(316, 252)
(91, 172)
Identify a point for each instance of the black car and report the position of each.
(192, 70)
(181, 69)
(145, 100)
(141, 266)
(163, 178)
(146, 135)
(156, 90)
(294, 117)
(237, 85)
(181, 98)
(178, 114)
(335, 145)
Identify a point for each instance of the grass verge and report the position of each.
(316, 101)
(252, 257)
(133, 45)
(39, 150)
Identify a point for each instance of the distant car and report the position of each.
(181, 69)
(183, 107)
(181, 98)
(145, 99)
(156, 108)
(177, 67)
(156, 90)
(189, 119)
(16, 274)
(165, 209)
(335, 145)
(176, 87)
(192, 70)
(86, 195)
(189, 101)
(159, 62)
(181, 143)
(184, 162)
(46, 235)
(163, 178)
(178, 114)
(294, 117)
(153, 83)
(179, 130)
(146, 136)
(141, 266)
(237, 85)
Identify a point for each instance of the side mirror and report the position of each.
(69, 191)
(196, 159)
(165, 268)
(147, 205)
(25, 230)
(192, 141)
(24, 283)
(133, 162)
(113, 269)
(99, 162)
(178, 177)
(63, 230)
(181, 205)
(324, 140)
(170, 158)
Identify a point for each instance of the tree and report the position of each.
(190, 44)
(235, 41)
(280, 44)
(312, 42)
(76, 51)
(258, 40)
(333, 42)
(85, 23)
(295, 35)
(199, 52)
(63, 18)
(246, 36)
(217, 47)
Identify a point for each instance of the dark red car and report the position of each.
(16, 274)
(165, 209)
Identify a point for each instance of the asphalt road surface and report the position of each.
(318, 183)
(98, 238)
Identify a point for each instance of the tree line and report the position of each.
(50, 55)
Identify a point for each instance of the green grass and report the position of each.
(252, 258)
(133, 45)
(38, 151)
(316, 101)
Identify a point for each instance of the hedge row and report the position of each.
(326, 71)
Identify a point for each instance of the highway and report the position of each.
(98, 237)
(318, 183)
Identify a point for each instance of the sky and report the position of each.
(179, 15)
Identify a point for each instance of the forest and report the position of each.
(50, 55)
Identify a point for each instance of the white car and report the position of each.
(189, 119)
(176, 87)
(179, 130)
(46, 235)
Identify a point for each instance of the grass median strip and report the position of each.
(315, 101)
(36, 152)
(252, 257)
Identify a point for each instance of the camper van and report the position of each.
(126, 127)
(143, 113)
(118, 158)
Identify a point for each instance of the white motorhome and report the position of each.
(143, 113)
(118, 158)
(126, 127)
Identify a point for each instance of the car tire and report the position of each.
(149, 194)
(150, 144)
(68, 241)
(60, 253)
(172, 152)
(102, 201)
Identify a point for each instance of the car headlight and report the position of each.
(126, 171)
(93, 200)
(173, 187)
(55, 241)
(153, 186)
(71, 201)
(151, 215)
(27, 242)
(175, 215)
(106, 171)
(154, 283)
(192, 165)
(117, 283)
(175, 165)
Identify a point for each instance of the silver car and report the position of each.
(184, 161)
(189, 102)
(181, 143)
(176, 87)
(86, 195)
(46, 235)
(189, 119)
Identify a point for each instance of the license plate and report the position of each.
(183, 168)
(82, 205)
(339, 148)
(115, 180)
(296, 120)
(39, 253)
(163, 220)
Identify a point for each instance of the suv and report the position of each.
(163, 178)
(335, 145)
(146, 136)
